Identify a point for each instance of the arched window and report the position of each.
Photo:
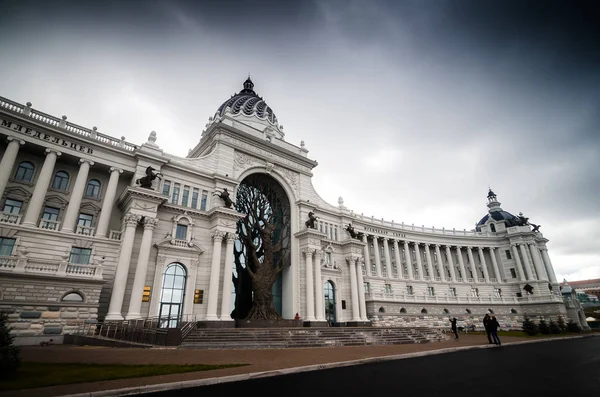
(93, 188)
(424, 311)
(493, 228)
(72, 297)
(172, 294)
(403, 310)
(381, 310)
(446, 311)
(468, 311)
(513, 311)
(60, 181)
(24, 172)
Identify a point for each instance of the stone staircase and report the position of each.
(278, 338)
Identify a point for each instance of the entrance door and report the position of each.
(172, 295)
(330, 314)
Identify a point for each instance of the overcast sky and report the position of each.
(412, 108)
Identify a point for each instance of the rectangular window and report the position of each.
(80, 256)
(367, 286)
(388, 288)
(409, 289)
(50, 214)
(431, 291)
(166, 188)
(513, 273)
(452, 291)
(175, 195)
(85, 220)
(185, 196)
(475, 292)
(204, 200)
(181, 232)
(508, 255)
(497, 293)
(6, 246)
(195, 199)
(12, 207)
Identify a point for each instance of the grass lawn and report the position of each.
(32, 374)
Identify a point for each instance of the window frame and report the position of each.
(96, 189)
(63, 179)
(20, 207)
(27, 172)
(4, 246)
(79, 255)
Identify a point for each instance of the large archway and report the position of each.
(263, 249)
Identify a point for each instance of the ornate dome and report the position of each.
(248, 103)
(497, 216)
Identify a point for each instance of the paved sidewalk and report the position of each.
(259, 360)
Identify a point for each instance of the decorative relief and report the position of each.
(161, 259)
(290, 176)
(269, 167)
(243, 161)
(195, 263)
(226, 224)
(314, 242)
(144, 206)
(264, 154)
(356, 251)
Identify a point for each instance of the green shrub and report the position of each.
(529, 327)
(9, 353)
(554, 328)
(561, 324)
(572, 327)
(544, 327)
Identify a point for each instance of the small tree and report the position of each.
(554, 328)
(544, 327)
(9, 353)
(561, 324)
(572, 327)
(529, 327)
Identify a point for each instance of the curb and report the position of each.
(129, 391)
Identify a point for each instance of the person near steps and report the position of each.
(493, 329)
(454, 329)
(486, 322)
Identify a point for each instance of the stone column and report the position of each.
(461, 264)
(122, 271)
(515, 252)
(397, 258)
(366, 253)
(377, 256)
(472, 264)
(537, 262)
(386, 253)
(429, 262)
(70, 218)
(8, 161)
(36, 202)
(548, 265)
(419, 261)
(319, 290)
(361, 293)
(408, 261)
(526, 263)
(486, 275)
(354, 289)
(310, 288)
(440, 263)
(137, 291)
(227, 279)
(495, 265)
(215, 273)
(451, 264)
(108, 202)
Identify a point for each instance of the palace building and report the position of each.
(83, 241)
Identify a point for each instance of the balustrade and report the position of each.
(115, 235)
(13, 219)
(85, 230)
(48, 224)
(59, 269)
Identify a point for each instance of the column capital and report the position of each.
(131, 219)
(351, 260)
(218, 235)
(459, 247)
(319, 254)
(81, 161)
(231, 237)
(114, 169)
(308, 251)
(58, 154)
(426, 244)
(544, 249)
(12, 138)
(150, 223)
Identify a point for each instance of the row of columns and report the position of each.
(215, 274)
(36, 202)
(315, 293)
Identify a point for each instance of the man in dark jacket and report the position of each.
(493, 326)
(454, 329)
(486, 322)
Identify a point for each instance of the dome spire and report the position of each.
(248, 86)
(493, 203)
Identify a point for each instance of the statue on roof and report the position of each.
(224, 195)
(535, 228)
(310, 223)
(146, 181)
(353, 233)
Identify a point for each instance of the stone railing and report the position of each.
(85, 230)
(403, 297)
(180, 243)
(115, 235)
(13, 219)
(49, 225)
(44, 118)
(24, 265)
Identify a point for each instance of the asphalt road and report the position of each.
(559, 368)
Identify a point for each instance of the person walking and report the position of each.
(493, 325)
(486, 322)
(454, 329)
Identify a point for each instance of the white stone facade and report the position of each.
(75, 221)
